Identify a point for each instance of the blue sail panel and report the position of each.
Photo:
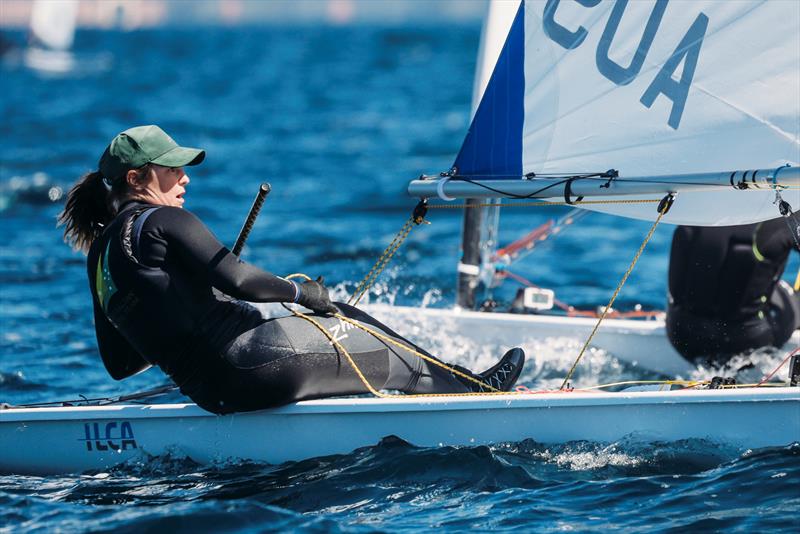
(493, 145)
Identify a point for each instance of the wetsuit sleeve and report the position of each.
(200, 251)
(773, 239)
(119, 357)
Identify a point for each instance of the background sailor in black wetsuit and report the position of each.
(726, 295)
(166, 292)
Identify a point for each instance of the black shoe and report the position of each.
(500, 377)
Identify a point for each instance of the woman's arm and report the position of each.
(202, 252)
(773, 239)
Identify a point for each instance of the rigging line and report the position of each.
(663, 209)
(387, 339)
(417, 218)
(676, 182)
(512, 195)
(545, 203)
(770, 375)
(101, 401)
(529, 175)
(528, 243)
(340, 348)
(382, 262)
(603, 179)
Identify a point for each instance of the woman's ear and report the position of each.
(132, 177)
(137, 178)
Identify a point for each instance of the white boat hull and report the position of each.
(44, 441)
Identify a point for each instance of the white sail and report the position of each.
(649, 88)
(53, 23)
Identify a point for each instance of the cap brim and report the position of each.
(180, 157)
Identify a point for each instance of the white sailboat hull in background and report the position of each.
(639, 343)
(45, 441)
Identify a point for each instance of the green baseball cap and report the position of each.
(141, 145)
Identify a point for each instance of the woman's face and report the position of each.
(164, 186)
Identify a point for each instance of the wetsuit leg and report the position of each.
(288, 359)
(424, 377)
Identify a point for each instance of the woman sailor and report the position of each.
(166, 292)
(726, 295)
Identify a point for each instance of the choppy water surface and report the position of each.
(337, 120)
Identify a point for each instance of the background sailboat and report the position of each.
(51, 34)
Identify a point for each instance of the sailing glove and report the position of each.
(314, 296)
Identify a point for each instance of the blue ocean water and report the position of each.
(337, 120)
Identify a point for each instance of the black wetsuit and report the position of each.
(166, 292)
(724, 292)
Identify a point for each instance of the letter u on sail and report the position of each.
(686, 97)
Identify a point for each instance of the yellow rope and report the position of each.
(493, 391)
(369, 386)
(341, 349)
(398, 240)
(425, 357)
(386, 339)
(382, 262)
(661, 213)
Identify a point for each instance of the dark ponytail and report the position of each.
(91, 205)
(87, 210)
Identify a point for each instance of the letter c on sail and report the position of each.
(559, 33)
